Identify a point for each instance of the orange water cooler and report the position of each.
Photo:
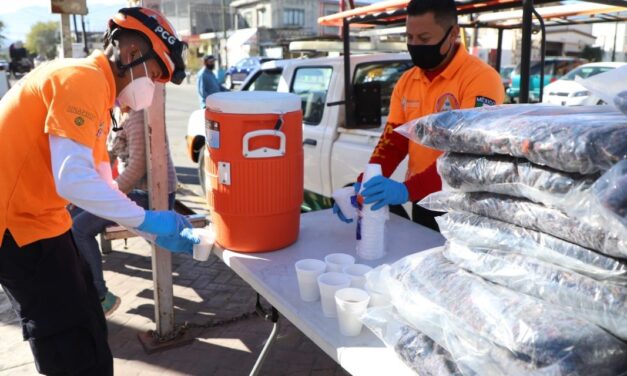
(255, 169)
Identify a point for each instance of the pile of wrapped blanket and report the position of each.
(533, 277)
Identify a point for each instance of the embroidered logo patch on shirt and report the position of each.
(446, 102)
(408, 104)
(484, 101)
(80, 112)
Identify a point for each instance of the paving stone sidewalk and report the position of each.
(203, 291)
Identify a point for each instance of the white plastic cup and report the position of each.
(337, 261)
(329, 283)
(307, 272)
(342, 197)
(357, 274)
(202, 250)
(377, 299)
(351, 303)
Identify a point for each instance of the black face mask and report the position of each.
(210, 66)
(428, 56)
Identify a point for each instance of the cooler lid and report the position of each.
(253, 102)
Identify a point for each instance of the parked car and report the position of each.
(4, 77)
(335, 153)
(506, 75)
(568, 92)
(554, 68)
(19, 63)
(237, 73)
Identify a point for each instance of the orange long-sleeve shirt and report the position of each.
(465, 82)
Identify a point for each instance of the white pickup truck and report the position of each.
(335, 153)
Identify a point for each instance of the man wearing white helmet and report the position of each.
(53, 127)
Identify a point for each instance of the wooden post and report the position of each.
(157, 167)
(66, 36)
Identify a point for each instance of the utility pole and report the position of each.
(525, 51)
(224, 36)
(65, 8)
(75, 28)
(615, 37)
(66, 36)
(86, 48)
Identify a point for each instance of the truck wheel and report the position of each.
(201, 170)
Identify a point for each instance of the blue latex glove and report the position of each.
(337, 211)
(181, 243)
(382, 191)
(164, 223)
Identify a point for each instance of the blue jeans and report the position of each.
(86, 227)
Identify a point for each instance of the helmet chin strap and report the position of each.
(122, 68)
(115, 126)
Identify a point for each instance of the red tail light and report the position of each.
(553, 79)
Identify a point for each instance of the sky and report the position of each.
(19, 15)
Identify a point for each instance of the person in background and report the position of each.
(127, 149)
(207, 83)
(444, 77)
(53, 128)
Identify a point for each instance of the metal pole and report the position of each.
(499, 51)
(614, 48)
(66, 37)
(75, 28)
(226, 51)
(525, 57)
(86, 48)
(348, 109)
(542, 51)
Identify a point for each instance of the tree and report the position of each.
(43, 39)
(2, 37)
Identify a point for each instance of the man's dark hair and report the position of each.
(445, 11)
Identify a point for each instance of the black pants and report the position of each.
(51, 290)
(425, 217)
(419, 215)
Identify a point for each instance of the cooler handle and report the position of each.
(263, 152)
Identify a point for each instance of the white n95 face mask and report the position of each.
(138, 94)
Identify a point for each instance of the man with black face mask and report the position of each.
(445, 77)
(207, 83)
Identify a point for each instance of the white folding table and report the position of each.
(273, 276)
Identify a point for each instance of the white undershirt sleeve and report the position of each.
(78, 181)
(105, 172)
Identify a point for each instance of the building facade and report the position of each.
(192, 17)
(284, 14)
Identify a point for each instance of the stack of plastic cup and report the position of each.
(371, 223)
